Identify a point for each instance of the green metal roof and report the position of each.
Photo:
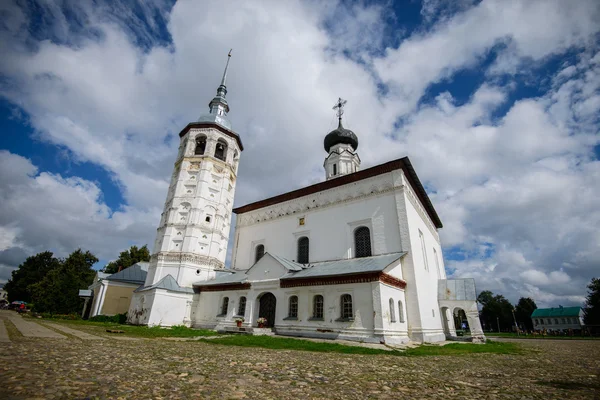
(556, 312)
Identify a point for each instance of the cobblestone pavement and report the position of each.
(46, 368)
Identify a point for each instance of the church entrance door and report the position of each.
(266, 309)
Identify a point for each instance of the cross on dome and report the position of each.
(339, 106)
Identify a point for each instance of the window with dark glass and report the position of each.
(346, 304)
(400, 311)
(293, 307)
(242, 306)
(200, 145)
(303, 245)
(334, 169)
(224, 306)
(362, 242)
(260, 252)
(221, 150)
(318, 306)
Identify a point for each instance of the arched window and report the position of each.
(437, 264)
(242, 306)
(293, 307)
(392, 311)
(259, 252)
(318, 307)
(346, 306)
(422, 238)
(224, 306)
(221, 150)
(200, 145)
(400, 311)
(362, 242)
(334, 169)
(302, 250)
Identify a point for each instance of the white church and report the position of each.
(355, 257)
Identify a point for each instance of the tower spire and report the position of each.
(218, 107)
(226, 66)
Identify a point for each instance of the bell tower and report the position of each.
(191, 239)
(341, 145)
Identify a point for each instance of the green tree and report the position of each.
(127, 258)
(496, 310)
(58, 291)
(591, 310)
(523, 311)
(31, 271)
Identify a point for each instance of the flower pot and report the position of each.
(261, 325)
(238, 323)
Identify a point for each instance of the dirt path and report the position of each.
(74, 332)
(32, 329)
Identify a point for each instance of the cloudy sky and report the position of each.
(497, 104)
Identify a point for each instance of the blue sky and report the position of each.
(496, 103)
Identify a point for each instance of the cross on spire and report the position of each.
(339, 106)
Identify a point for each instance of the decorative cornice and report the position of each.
(312, 281)
(344, 279)
(412, 197)
(330, 198)
(390, 280)
(222, 287)
(188, 258)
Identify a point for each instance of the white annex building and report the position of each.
(357, 256)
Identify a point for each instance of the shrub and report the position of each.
(117, 319)
(60, 316)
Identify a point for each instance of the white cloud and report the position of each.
(521, 185)
(43, 211)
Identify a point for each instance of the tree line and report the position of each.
(52, 284)
(497, 313)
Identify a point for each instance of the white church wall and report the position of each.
(394, 326)
(207, 311)
(328, 226)
(427, 325)
(169, 308)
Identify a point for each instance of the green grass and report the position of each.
(136, 331)
(277, 343)
(515, 336)
(455, 349)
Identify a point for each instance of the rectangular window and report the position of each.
(334, 169)
(424, 250)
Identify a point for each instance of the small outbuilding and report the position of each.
(557, 319)
(112, 293)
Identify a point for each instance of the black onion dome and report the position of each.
(340, 135)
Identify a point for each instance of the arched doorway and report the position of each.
(460, 320)
(266, 309)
